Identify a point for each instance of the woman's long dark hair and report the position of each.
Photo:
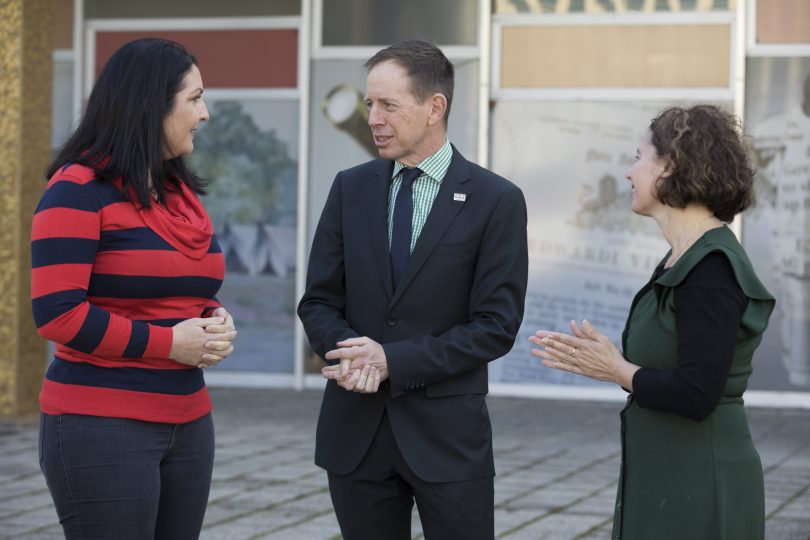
(121, 132)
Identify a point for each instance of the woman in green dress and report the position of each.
(689, 468)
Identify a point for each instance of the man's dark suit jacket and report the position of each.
(458, 306)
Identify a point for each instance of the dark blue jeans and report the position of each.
(118, 479)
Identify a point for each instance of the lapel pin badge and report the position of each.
(460, 197)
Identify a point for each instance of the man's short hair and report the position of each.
(429, 70)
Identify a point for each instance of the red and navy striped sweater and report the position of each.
(108, 281)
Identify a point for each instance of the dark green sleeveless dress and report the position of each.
(682, 479)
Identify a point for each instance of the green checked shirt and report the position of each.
(424, 188)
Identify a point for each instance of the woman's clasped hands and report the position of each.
(203, 342)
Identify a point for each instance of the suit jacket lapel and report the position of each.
(444, 211)
(377, 205)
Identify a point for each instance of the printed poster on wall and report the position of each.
(776, 233)
(248, 151)
(588, 253)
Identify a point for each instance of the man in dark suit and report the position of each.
(416, 280)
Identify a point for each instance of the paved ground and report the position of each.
(557, 463)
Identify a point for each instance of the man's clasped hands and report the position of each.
(362, 365)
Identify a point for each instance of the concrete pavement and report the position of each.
(557, 464)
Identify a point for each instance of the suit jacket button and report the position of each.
(391, 321)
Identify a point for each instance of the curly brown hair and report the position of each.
(708, 160)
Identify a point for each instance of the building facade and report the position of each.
(552, 94)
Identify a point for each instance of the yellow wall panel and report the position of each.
(783, 21)
(610, 6)
(654, 56)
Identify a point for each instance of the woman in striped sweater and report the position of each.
(125, 269)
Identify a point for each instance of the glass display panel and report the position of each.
(382, 22)
(248, 150)
(776, 232)
(588, 253)
(62, 103)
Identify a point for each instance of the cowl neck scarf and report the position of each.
(181, 221)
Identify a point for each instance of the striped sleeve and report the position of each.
(64, 241)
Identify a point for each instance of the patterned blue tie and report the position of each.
(401, 229)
